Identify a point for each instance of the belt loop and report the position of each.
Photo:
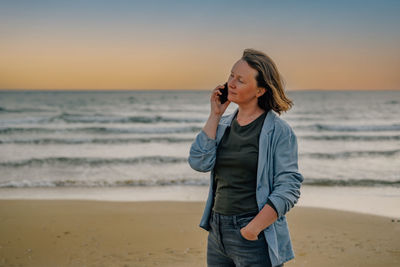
(235, 221)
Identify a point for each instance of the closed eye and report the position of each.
(240, 80)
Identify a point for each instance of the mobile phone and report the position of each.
(224, 96)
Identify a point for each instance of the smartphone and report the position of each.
(224, 96)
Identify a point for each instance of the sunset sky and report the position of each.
(193, 44)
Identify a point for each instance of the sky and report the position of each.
(317, 45)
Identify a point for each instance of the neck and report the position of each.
(250, 110)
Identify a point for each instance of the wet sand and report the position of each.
(106, 233)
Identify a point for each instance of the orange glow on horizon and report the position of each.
(128, 68)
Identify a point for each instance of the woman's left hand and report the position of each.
(248, 234)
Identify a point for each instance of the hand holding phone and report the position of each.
(224, 96)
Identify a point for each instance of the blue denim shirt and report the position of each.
(278, 178)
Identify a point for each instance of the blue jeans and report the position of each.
(227, 247)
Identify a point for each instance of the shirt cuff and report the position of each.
(206, 140)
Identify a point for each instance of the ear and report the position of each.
(260, 91)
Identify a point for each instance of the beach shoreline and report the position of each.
(381, 201)
(166, 233)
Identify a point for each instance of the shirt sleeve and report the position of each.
(202, 153)
(287, 179)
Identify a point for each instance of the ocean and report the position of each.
(140, 140)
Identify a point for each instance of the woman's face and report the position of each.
(242, 84)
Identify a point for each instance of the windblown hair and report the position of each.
(269, 78)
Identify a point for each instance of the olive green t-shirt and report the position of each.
(236, 168)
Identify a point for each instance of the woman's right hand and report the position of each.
(216, 107)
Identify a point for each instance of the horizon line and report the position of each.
(175, 89)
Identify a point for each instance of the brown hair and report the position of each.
(269, 78)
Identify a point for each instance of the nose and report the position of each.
(231, 83)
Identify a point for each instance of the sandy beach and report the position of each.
(105, 233)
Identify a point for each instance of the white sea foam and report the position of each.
(140, 140)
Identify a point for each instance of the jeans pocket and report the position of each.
(242, 222)
(260, 237)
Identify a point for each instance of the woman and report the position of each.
(252, 156)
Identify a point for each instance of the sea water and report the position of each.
(137, 142)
